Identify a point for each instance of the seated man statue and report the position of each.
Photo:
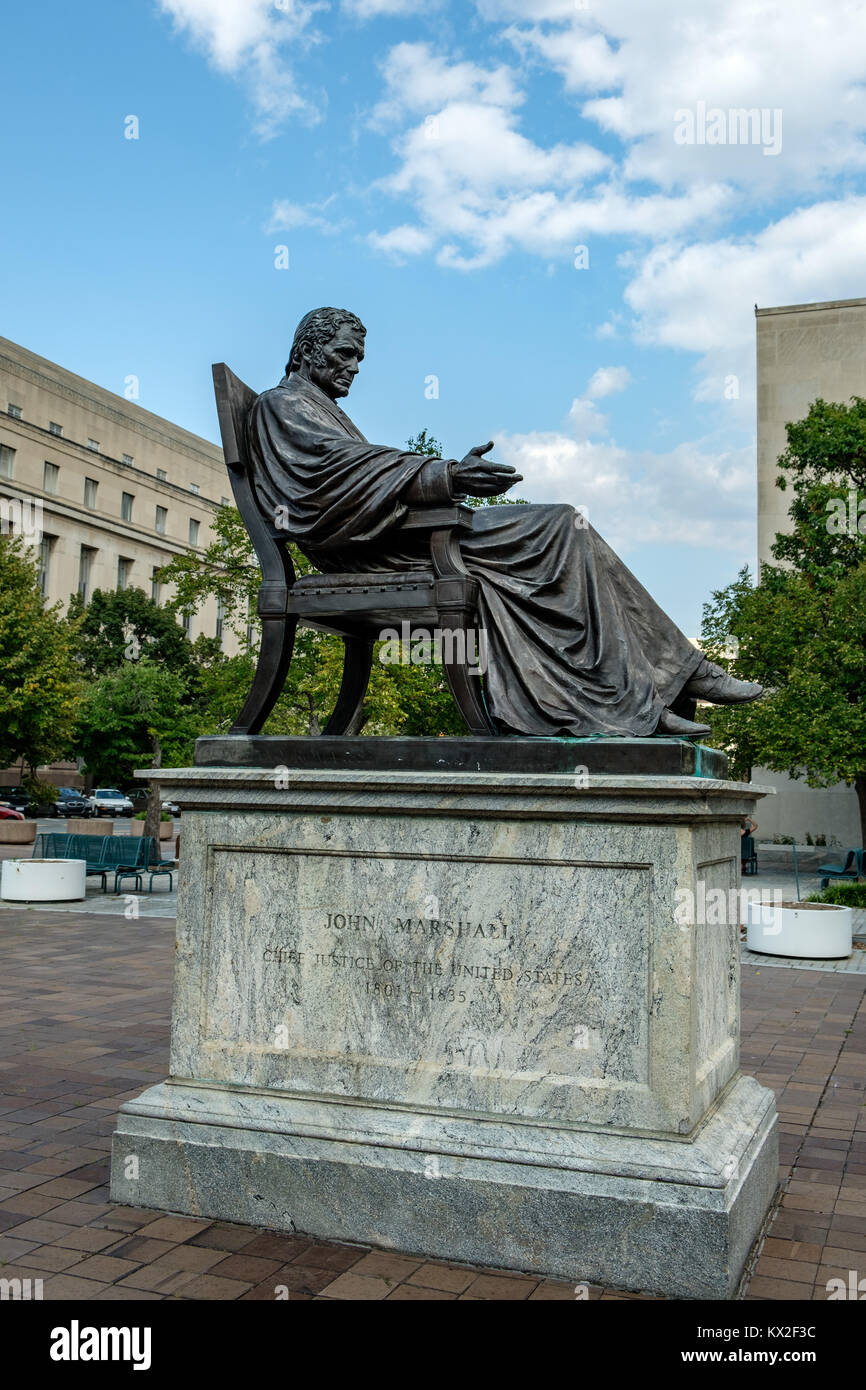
(576, 646)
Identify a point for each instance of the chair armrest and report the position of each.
(457, 514)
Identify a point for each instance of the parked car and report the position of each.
(108, 801)
(138, 796)
(72, 803)
(7, 813)
(15, 797)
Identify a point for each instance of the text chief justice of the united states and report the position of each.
(576, 645)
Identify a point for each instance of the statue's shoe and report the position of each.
(718, 687)
(671, 723)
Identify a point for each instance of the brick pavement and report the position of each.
(84, 1020)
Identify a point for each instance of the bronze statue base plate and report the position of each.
(662, 757)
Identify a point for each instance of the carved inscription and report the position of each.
(402, 977)
(474, 984)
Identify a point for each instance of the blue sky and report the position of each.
(433, 166)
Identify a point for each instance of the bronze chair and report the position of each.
(357, 607)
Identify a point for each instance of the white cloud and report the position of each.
(402, 241)
(693, 495)
(631, 65)
(610, 327)
(696, 494)
(481, 188)
(285, 216)
(584, 417)
(377, 9)
(606, 380)
(700, 296)
(420, 81)
(245, 38)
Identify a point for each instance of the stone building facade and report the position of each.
(106, 491)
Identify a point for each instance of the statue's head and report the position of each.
(328, 349)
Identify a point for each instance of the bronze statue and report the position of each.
(576, 645)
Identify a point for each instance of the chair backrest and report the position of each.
(122, 849)
(50, 844)
(89, 847)
(234, 402)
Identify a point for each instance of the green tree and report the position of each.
(801, 631)
(39, 681)
(121, 625)
(135, 714)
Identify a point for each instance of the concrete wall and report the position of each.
(799, 810)
(804, 351)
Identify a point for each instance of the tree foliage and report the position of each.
(121, 625)
(131, 715)
(801, 631)
(39, 680)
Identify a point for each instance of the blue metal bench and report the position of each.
(852, 868)
(126, 855)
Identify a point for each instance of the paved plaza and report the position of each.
(85, 1007)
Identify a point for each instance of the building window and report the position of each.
(50, 474)
(15, 411)
(220, 617)
(161, 518)
(54, 428)
(7, 459)
(193, 531)
(85, 564)
(127, 459)
(161, 474)
(90, 486)
(93, 445)
(45, 548)
(124, 569)
(155, 585)
(250, 625)
(126, 501)
(193, 487)
(186, 622)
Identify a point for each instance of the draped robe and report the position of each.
(576, 646)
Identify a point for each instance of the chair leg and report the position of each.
(353, 687)
(275, 653)
(685, 707)
(465, 688)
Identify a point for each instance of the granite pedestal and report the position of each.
(473, 1015)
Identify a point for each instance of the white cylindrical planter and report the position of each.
(811, 931)
(43, 880)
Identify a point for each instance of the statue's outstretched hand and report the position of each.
(480, 477)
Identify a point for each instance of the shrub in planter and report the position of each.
(842, 894)
(136, 824)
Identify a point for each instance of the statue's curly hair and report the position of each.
(318, 327)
